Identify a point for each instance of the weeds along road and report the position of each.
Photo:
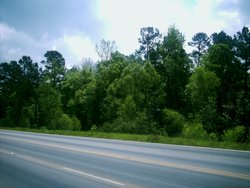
(41, 160)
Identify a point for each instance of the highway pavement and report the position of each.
(42, 160)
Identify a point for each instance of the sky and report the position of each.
(74, 27)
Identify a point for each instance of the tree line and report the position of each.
(159, 89)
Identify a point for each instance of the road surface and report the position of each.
(41, 160)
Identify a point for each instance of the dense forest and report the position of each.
(159, 89)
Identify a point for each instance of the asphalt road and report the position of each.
(41, 160)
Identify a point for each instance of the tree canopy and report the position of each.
(159, 89)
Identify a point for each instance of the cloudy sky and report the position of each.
(73, 27)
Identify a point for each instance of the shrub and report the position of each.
(76, 125)
(212, 137)
(25, 122)
(236, 134)
(137, 125)
(64, 122)
(93, 128)
(28, 117)
(143, 125)
(173, 122)
(117, 126)
(123, 126)
(43, 128)
(195, 131)
(6, 122)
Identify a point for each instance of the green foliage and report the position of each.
(55, 70)
(137, 90)
(202, 85)
(133, 94)
(222, 38)
(242, 107)
(128, 109)
(175, 68)
(18, 84)
(213, 137)
(28, 117)
(63, 122)
(222, 62)
(149, 38)
(195, 131)
(242, 43)
(49, 104)
(173, 122)
(6, 122)
(209, 116)
(93, 128)
(236, 134)
(242, 50)
(139, 125)
(202, 93)
(79, 95)
(202, 42)
(219, 57)
(118, 126)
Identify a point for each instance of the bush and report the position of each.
(236, 134)
(6, 122)
(25, 122)
(28, 117)
(195, 131)
(114, 126)
(93, 128)
(43, 128)
(213, 137)
(138, 125)
(119, 125)
(76, 125)
(64, 122)
(143, 125)
(173, 122)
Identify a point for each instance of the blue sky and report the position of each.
(73, 27)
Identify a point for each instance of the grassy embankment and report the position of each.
(142, 138)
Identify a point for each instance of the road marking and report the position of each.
(137, 159)
(31, 159)
(57, 166)
(92, 176)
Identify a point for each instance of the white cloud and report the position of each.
(124, 19)
(74, 48)
(119, 20)
(15, 44)
(233, 13)
(5, 32)
(80, 47)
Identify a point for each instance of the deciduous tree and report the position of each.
(105, 49)
(242, 50)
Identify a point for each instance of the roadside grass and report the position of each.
(141, 138)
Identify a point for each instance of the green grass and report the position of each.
(142, 138)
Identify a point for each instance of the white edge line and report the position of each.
(92, 176)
